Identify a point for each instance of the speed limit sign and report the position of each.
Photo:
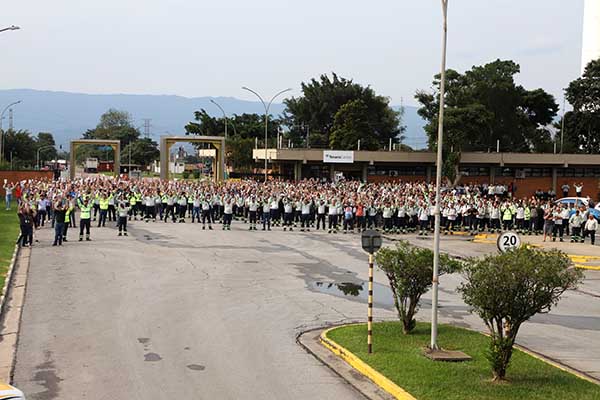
(508, 241)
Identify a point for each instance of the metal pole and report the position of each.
(224, 115)
(308, 136)
(1, 130)
(266, 106)
(370, 310)
(438, 182)
(562, 128)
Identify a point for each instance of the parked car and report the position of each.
(578, 202)
(10, 392)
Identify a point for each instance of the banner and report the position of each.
(338, 156)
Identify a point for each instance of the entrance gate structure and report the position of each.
(115, 144)
(218, 142)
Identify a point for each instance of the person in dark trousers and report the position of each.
(60, 211)
(123, 212)
(26, 217)
(84, 219)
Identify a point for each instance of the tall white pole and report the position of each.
(438, 183)
(1, 130)
(266, 106)
(562, 127)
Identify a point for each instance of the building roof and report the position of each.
(428, 157)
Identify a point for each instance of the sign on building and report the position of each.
(338, 156)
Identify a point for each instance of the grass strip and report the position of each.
(400, 358)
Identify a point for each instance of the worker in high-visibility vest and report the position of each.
(104, 202)
(68, 216)
(507, 211)
(85, 216)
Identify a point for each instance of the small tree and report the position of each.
(506, 290)
(409, 270)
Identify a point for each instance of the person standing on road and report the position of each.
(575, 221)
(26, 217)
(591, 226)
(103, 205)
(123, 212)
(85, 216)
(548, 223)
(60, 210)
(68, 217)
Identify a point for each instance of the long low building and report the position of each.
(526, 171)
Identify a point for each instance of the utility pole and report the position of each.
(10, 120)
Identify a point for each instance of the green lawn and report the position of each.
(399, 357)
(9, 231)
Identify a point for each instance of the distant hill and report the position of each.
(69, 115)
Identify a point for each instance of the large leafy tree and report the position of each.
(46, 145)
(582, 125)
(320, 104)
(20, 146)
(485, 105)
(142, 152)
(114, 125)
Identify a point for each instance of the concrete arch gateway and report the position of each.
(115, 144)
(218, 142)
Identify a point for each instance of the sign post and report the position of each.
(371, 242)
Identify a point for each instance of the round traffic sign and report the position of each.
(508, 241)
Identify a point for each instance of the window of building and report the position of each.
(475, 171)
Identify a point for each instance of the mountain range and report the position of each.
(68, 115)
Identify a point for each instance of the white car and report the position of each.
(579, 201)
(8, 392)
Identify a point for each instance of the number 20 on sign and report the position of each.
(508, 241)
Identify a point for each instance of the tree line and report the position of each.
(485, 109)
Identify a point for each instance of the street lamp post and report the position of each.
(1, 130)
(10, 28)
(224, 115)
(266, 106)
(438, 183)
(38, 154)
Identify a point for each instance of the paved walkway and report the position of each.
(176, 312)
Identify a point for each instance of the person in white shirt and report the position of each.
(591, 225)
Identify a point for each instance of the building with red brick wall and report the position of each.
(17, 176)
(527, 172)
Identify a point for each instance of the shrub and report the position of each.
(185, 174)
(196, 174)
(409, 271)
(506, 290)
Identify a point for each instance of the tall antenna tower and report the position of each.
(10, 119)
(591, 33)
(147, 126)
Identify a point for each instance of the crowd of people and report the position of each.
(346, 206)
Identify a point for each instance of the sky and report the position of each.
(212, 48)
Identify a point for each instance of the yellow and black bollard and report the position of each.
(371, 242)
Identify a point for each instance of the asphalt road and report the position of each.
(174, 312)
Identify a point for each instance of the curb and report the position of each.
(8, 281)
(557, 364)
(362, 367)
